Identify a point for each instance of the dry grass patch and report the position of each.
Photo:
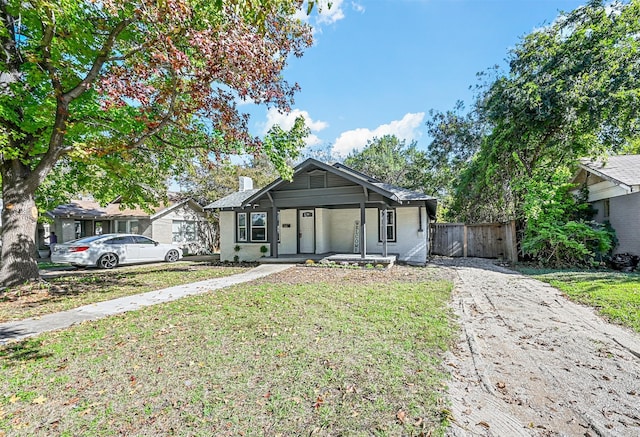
(307, 351)
(82, 287)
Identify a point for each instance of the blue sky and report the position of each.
(378, 66)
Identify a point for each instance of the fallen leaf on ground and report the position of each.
(401, 416)
(72, 401)
(39, 400)
(483, 423)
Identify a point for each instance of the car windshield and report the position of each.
(85, 240)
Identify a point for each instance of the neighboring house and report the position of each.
(178, 221)
(614, 191)
(326, 209)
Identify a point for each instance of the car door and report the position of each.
(147, 249)
(119, 245)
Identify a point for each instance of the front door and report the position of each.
(306, 231)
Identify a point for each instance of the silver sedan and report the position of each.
(110, 250)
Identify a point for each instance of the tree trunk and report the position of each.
(19, 223)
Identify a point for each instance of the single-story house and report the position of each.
(177, 221)
(325, 209)
(614, 191)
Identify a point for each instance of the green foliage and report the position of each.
(281, 146)
(391, 160)
(572, 91)
(114, 97)
(456, 137)
(559, 231)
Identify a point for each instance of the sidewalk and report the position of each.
(18, 330)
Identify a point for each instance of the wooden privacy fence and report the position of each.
(485, 240)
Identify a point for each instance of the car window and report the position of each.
(86, 239)
(142, 240)
(125, 239)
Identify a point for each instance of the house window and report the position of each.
(80, 229)
(390, 228)
(184, 231)
(251, 227)
(242, 226)
(606, 208)
(127, 227)
(258, 226)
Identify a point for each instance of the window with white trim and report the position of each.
(184, 231)
(258, 226)
(251, 227)
(241, 234)
(390, 228)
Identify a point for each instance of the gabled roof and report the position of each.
(622, 170)
(234, 200)
(90, 209)
(394, 193)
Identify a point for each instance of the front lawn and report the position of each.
(82, 287)
(615, 295)
(303, 352)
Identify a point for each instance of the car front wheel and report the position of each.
(172, 256)
(108, 261)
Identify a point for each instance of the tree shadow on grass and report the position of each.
(21, 352)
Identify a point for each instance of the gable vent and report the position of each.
(317, 181)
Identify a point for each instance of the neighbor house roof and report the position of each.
(394, 193)
(622, 170)
(90, 209)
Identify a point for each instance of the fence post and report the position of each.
(464, 242)
(512, 242)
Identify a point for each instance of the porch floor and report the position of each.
(371, 258)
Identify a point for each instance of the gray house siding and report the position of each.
(600, 214)
(624, 217)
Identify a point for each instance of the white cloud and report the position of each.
(286, 121)
(357, 7)
(329, 15)
(356, 140)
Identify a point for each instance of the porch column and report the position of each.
(363, 231)
(274, 231)
(383, 231)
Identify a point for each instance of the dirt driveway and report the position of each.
(530, 362)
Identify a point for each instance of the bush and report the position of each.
(559, 231)
(568, 244)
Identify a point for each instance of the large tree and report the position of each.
(115, 95)
(393, 161)
(456, 137)
(572, 90)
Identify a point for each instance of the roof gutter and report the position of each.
(608, 178)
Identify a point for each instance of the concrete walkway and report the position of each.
(18, 330)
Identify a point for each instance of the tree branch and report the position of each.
(98, 63)
(55, 150)
(48, 32)
(163, 121)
